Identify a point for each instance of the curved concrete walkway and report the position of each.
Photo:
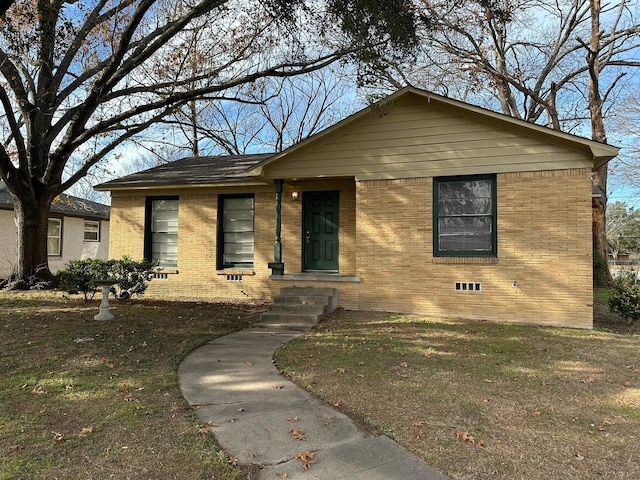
(252, 410)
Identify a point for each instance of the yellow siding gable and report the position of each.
(412, 137)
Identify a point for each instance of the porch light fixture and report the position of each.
(294, 195)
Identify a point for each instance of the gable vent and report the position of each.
(467, 286)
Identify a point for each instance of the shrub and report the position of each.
(132, 277)
(625, 299)
(78, 276)
(129, 276)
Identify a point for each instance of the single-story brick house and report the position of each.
(418, 204)
(78, 229)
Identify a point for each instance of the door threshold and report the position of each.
(315, 277)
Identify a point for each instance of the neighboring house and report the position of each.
(620, 257)
(78, 229)
(418, 204)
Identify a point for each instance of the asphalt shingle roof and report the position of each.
(191, 171)
(64, 204)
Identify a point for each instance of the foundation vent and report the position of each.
(235, 277)
(467, 286)
(160, 275)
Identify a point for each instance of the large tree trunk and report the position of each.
(599, 226)
(598, 134)
(32, 264)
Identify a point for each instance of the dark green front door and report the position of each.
(320, 231)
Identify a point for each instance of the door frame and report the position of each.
(306, 198)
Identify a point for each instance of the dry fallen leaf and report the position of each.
(342, 370)
(338, 404)
(242, 409)
(15, 448)
(292, 419)
(282, 474)
(298, 434)
(249, 364)
(306, 458)
(418, 424)
(233, 460)
(58, 437)
(205, 427)
(465, 437)
(86, 430)
(278, 387)
(605, 423)
(535, 412)
(37, 390)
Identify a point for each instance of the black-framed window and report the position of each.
(161, 231)
(235, 231)
(465, 216)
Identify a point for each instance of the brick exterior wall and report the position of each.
(127, 226)
(544, 245)
(197, 277)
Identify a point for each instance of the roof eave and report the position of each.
(87, 215)
(603, 153)
(174, 186)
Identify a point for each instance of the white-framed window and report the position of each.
(235, 231)
(91, 230)
(161, 243)
(54, 237)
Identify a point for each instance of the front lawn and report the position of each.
(95, 400)
(480, 400)
(81, 399)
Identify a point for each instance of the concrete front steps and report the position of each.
(299, 308)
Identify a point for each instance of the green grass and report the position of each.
(601, 295)
(540, 403)
(94, 400)
(87, 399)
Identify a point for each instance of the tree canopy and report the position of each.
(79, 79)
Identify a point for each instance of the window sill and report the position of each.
(235, 271)
(465, 260)
(316, 277)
